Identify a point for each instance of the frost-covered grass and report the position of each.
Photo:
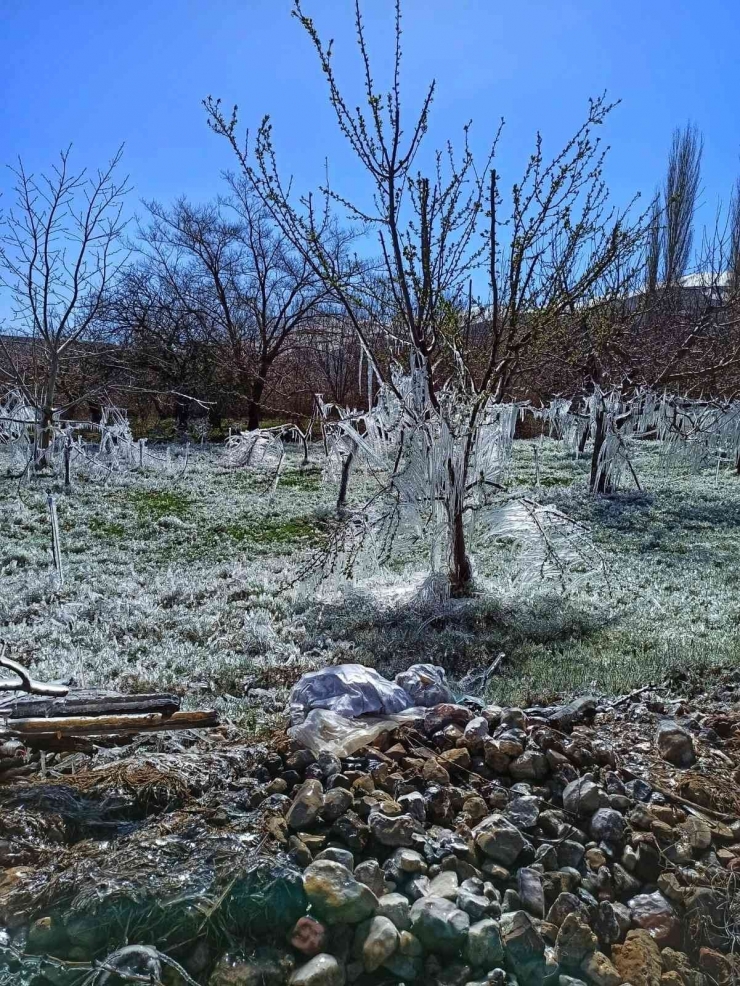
(177, 585)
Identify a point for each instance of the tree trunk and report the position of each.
(47, 414)
(461, 571)
(67, 453)
(45, 438)
(599, 481)
(215, 416)
(344, 482)
(182, 419)
(584, 439)
(304, 441)
(254, 414)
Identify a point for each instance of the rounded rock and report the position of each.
(307, 803)
(323, 970)
(335, 894)
(370, 873)
(336, 802)
(608, 825)
(675, 744)
(439, 925)
(375, 942)
(396, 908)
(581, 797)
(398, 831)
(499, 839)
(337, 855)
(308, 936)
(484, 949)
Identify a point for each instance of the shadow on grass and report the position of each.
(664, 523)
(625, 512)
(460, 635)
(633, 511)
(692, 515)
(552, 648)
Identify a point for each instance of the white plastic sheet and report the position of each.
(425, 684)
(341, 709)
(323, 731)
(349, 690)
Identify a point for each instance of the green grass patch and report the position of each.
(152, 505)
(302, 479)
(273, 532)
(613, 663)
(107, 528)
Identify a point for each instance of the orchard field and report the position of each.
(209, 584)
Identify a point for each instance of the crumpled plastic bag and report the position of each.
(323, 731)
(425, 684)
(343, 708)
(350, 690)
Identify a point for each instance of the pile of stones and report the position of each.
(492, 846)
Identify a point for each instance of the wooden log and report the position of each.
(89, 702)
(60, 744)
(12, 763)
(97, 725)
(19, 771)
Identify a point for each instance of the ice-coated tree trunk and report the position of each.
(344, 482)
(461, 571)
(47, 416)
(67, 454)
(47, 430)
(304, 441)
(599, 480)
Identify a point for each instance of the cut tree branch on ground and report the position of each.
(105, 725)
(59, 715)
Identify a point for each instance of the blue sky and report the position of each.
(135, 71)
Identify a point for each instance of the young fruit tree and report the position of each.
(60, 253)
(438, 223)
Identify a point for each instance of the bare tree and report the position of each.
(542, 255)
(652, 259)
(330, 363)
(162, 347)
(734, 231)
(60, 251)
(252, 293)
(680, 192)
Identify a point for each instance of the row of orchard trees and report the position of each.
(263, 297)
(190, 308)
(250, 304)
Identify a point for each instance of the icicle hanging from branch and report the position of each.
(56, 550)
